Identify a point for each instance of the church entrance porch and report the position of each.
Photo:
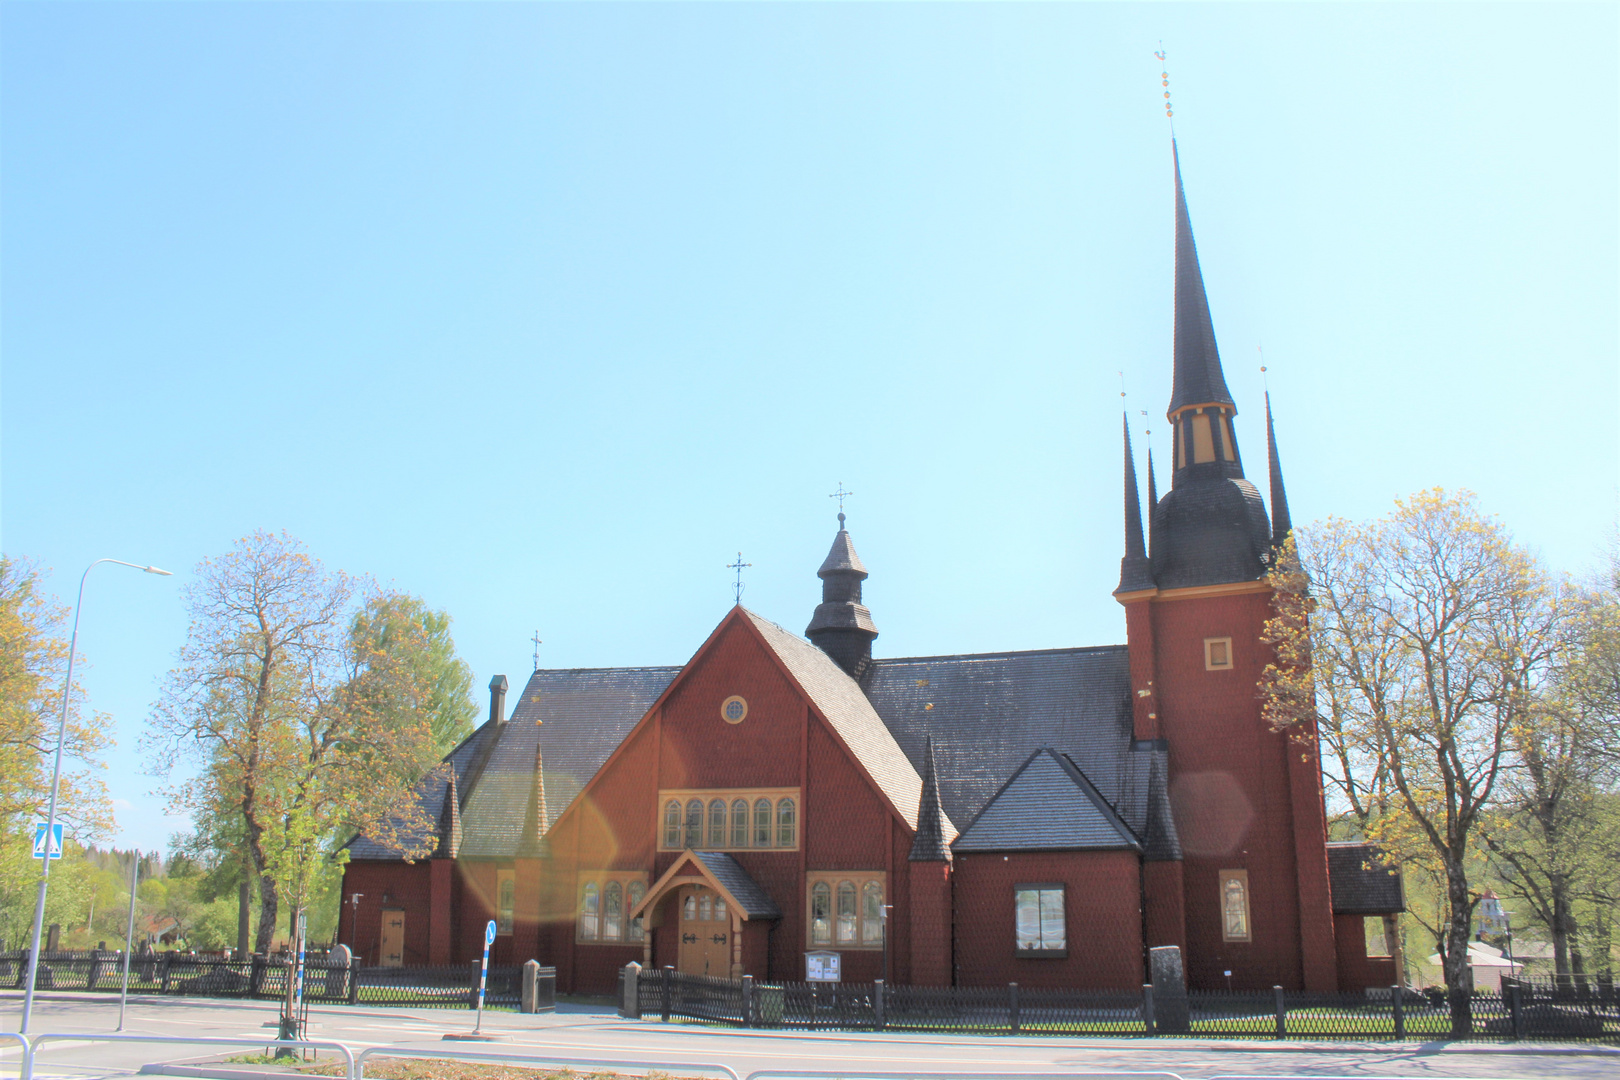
(705, 932)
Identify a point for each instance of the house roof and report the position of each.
(1048, 804)
(989, 712)
(1361, 884)
(722, 873)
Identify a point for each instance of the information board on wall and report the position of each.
(822, 966)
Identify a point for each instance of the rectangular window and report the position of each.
(1039, 923)
(846, 908)
(505, 900)
(1234, 886)
(1377, 942)
(1217, 653)
(1203, 440)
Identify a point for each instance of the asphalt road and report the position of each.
(584, 1033)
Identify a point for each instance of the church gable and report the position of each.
(1047, 805)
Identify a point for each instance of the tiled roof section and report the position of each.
(1047, 805)
(431, 796)
(929, 843)
(1198, 377)
(991, 709)
(839, 698)
(755, 901)
(573, 719)
(1361, 884)
(842, 556)
(1210, 531)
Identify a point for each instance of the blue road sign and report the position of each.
(56, 842)
(489, 931)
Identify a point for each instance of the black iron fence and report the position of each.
(261, 978)
(1519, 1012)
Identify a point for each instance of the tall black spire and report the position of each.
(1153, 497)
(1135, 572)
(842, 626)
(1210, 528)
(929, 843)
(1198, 377)
(1281, 524)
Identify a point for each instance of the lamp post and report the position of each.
(56, 781)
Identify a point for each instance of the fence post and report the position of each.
(1396, 994)
(354, 979)
(1282, 1023)
(878, 989)
(669, 973)
(1012, 1007)
(1147, 1007)
(472, 986)
(168, 956)
(748, 1001)
(1514, 1009)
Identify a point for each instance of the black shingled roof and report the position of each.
(755, 902)
(1361, 884)
(989, 712)
(1047, 805)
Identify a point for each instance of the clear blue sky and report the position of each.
(543, 311)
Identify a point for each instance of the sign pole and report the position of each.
(129, 938)
(483, 975)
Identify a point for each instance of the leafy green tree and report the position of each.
(1429, 635)
(406, 630)
(303, 719)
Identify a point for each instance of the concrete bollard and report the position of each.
(531, 977)
(630, 1004)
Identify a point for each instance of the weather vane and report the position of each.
(740, 566)
(537, 644)
(840, 495)
(1164, 79)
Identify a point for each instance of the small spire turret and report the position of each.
(842, 626)
(1281, 523)
(1135, 572)
(929, 843)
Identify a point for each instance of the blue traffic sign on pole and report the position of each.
(483, 975)
(39, 840)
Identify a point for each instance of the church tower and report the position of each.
(842, 626)
(1250, 896)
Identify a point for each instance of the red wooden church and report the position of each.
(1040, 817)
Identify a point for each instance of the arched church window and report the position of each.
(739, 823)
(846, 913)
(672, 825)
(589, 914)
(872, 913)
(762, 823)
(689, 907)
(720, 908)
(694, 823)
(1235, 905)
(706, 907)
(821, 913)
(638, 893)
(785, 823)
(613, 912)
(717, 823)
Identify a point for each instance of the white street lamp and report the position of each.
(56, 780)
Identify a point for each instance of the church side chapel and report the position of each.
(1040, 817)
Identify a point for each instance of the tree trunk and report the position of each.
(268, 904)
(244, 913)
(1459, 973)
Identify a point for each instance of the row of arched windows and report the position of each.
(602, 909)
(734, 823)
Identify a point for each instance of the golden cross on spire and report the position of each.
(740, 566)
(537, 644)
(840, 495)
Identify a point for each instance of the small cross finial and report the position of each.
(1164, 79)
(739, 566)
(840, 495)
(537, 644)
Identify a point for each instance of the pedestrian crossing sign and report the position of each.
(39, 840)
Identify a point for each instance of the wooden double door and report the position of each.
(705, 932)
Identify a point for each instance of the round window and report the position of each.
(733, 709)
